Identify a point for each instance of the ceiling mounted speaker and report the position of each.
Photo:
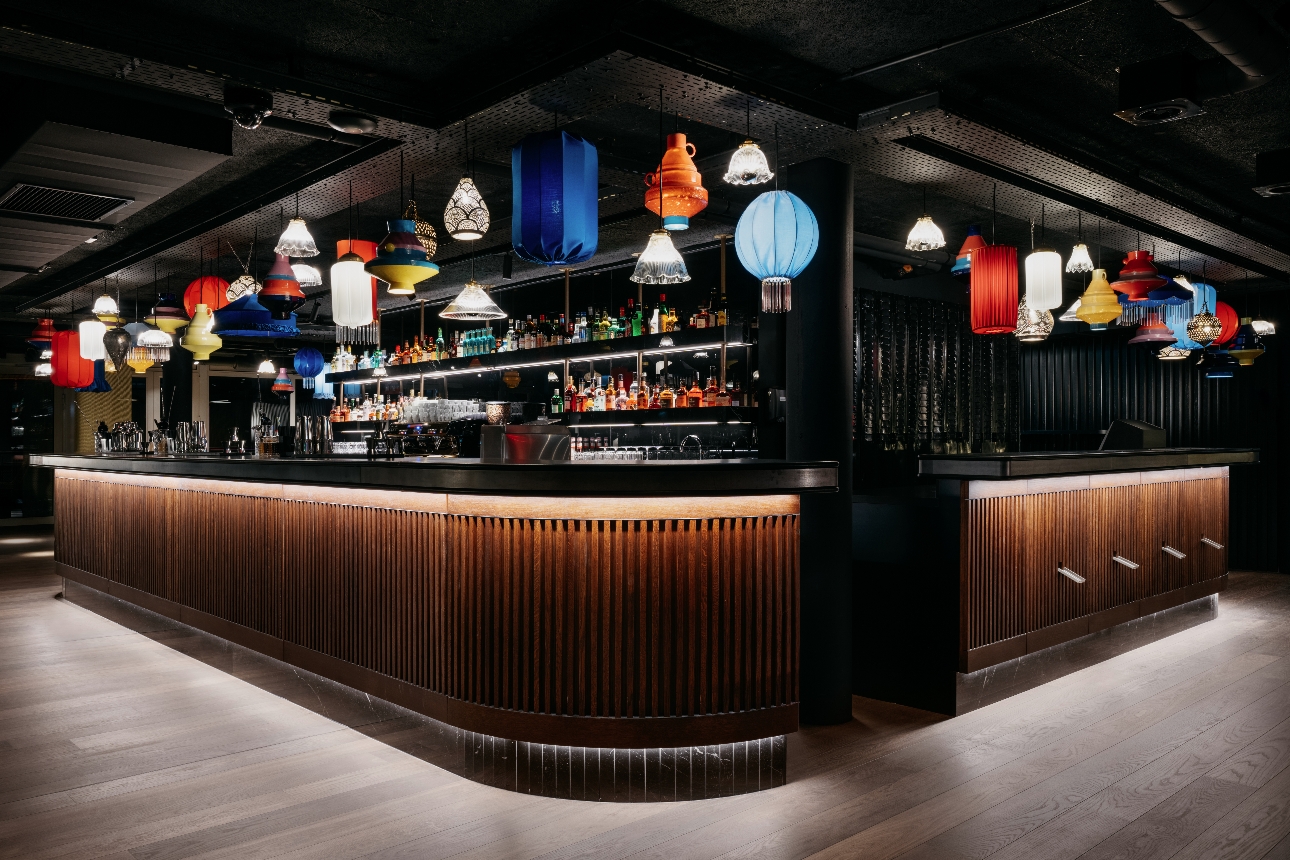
(1159, 90)
(1272, 173)
(351, 122)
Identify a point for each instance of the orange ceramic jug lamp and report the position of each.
(679, 183)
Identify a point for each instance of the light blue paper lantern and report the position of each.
(554, 208)
(775, 239)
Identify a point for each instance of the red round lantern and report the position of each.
(366, 252)
(207, 290)
(993, 290)
(1231, 322)
(70, 370)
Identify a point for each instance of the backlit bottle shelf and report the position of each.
(690, 417)
(688, 340)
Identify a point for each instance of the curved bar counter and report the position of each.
(633, 606)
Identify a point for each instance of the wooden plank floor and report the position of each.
(118, 743)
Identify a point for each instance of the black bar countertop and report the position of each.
(1039, 464)
(584, 478)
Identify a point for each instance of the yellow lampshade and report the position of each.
(139, 365)
(199, 340)
(1099, 304)
(402, 278)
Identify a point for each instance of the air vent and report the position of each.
(58, 203)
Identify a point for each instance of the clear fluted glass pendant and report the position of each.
(306, 275)
(925, 236)
(296, 241)
(1263, 328)
(1033, 325)
(351, 293)
(91, 332)
(45, 369)
(266, 366)
(473, 303)
(104, 306)
(467, 214)
(660, 263)
(1072, 312)
(1080, 261)
(150, 344)
(748, 166)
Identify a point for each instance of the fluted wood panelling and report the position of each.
(1013, 545)
(573, 617)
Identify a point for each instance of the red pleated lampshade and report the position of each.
(994, 289)
(70, 370)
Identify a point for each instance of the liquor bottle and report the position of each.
(710, 393)
(723, 394)
(598, 404)
(659, 322)
(620, 401)
(440, 350)
(570, 397)
(673, 324)
(588, 397)
(654, 397)
(634, 318)
(737, 396)
(666, 397)
(694, 397)
(633, 393)
(642, 392)
(557, 402)
(561, 332)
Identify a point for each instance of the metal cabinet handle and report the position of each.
(1124, 561)
(1215, 544)
(1176, 553)
(1071, 575)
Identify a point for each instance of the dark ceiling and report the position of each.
(1041, 94)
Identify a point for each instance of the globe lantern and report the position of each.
(678, 183)
(554, 208)
(1231, 322)
(775, 239)
(993, 289)
(207, 290)
(308, 364)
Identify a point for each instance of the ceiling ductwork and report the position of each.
(1175, 87)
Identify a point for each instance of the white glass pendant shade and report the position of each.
(154, 338)
(660, 263)
(925, 236)
(45, 369)
(306, 275)
(91, 332)
(1043, 280)
(351, 292)
(266, 366)
(748, 166)
(104, 306)
(1263, 328)
(296, 241)
(473, 303)
(1080, 261)
(466, 215)
(46, 354)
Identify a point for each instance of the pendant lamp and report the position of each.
(1033, 325)
(1231, 322)
(98, 384)
(207, 290)
(993, 290)
(308, 363)
(1171, 293)
(155, 342)
(466, 215)
(962, 267)
(69, 369)
(282, 384)
(1219, 364)
(1204, 327)
(117, 343)
(678, 183)
(1098, 305)
(199, 339)
(1138, 277)
(1172, 352)
(925, 235)
(748, 163)
(425, 232)
(281, 294)
(1071, 314)
(1263, 328)
(105, 308)
(1153, 333)
(473, 303)
(306, 275)
(401, 260)
(266, 367)
(42, 335)
(323, 388)
(660, 262)
(91, 340)
(1043, 272)
(246, 317)
(296, 241)
(1080, 261)
(168, 314)
(43, 369)
(554, 208)
(351, 292)
(1246, 345)
(775, 239)
(243, 285)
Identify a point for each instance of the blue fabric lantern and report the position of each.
(246, 317)
(554, 213)
(775, 239)
(100, 383)
(308, 364)
(322, 388)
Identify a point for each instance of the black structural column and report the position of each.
(820, 386)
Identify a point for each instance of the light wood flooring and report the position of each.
(118, 743)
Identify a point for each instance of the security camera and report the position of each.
(351, 122)
(247, 105)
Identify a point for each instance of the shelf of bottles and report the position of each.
(661, 417)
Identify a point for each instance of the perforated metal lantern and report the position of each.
(117, 343)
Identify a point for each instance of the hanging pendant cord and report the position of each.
(994, 214)
(662, 149)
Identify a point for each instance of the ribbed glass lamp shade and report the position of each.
(1079, 261)
(156, 342)
(244, 285)
(306, 275)
(91, 332)
(925, 236)
(1172, 353)
(1099, 304)
(46, 354)
(660, 263)
(748, 166)
(993, 289)
(45, 369)
(282, 383)
(473, 303)
(351, 292)
(1072, 313)
(1033, 325)
(1263, 328)
(266, 366)
(296, 240)
(1044, 279)
(775, 239)
(104, 306)
(466, 215)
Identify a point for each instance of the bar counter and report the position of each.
(646, 608)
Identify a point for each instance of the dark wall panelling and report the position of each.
(926, 384)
